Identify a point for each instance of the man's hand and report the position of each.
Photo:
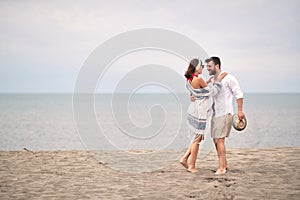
(241, 115)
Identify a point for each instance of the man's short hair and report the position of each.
(216, 60)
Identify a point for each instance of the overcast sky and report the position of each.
(44, 43)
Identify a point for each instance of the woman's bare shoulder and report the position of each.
(197, 79)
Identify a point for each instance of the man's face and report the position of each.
(211, 68)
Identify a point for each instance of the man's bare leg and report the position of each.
(221, 150)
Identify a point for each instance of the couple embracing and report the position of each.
(222, 88)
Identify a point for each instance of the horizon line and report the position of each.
(136, 93)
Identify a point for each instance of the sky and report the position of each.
(45, 43)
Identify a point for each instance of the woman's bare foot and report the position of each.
(192, 170)
(184, 163)
(220, 171)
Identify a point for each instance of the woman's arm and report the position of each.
(209, 80)
(219, 78)
(215, 89)
(202, 83)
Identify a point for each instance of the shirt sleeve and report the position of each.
(235, 88)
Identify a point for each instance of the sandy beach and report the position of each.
(253, 174)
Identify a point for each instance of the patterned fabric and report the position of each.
(197, 111)
(199, 124)
(196, 117)
(204, 92)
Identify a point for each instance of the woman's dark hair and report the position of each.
(192, 68)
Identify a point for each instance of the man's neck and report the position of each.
(217, 74)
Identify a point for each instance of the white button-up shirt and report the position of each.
(222, 102)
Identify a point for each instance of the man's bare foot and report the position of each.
(192, 170)
(184, 163)
(220, 171)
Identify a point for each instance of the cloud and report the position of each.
(51, 39)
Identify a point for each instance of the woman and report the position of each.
(197, 111)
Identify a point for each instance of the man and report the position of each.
(222, 109)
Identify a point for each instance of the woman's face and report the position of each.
(199, 70)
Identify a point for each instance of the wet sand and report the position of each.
(253, 174)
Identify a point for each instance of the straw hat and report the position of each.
(238, 124)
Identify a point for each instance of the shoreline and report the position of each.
(269, 173)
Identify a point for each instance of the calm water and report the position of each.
(46, 122)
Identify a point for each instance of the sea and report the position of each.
(133, 122)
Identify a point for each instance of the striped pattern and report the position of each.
(202, 92)
(199, 124)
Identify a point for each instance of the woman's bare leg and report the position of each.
(185, 157)
(194, 153)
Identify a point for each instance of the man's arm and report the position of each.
(241, 115)
(238, 94)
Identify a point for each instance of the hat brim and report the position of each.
(238, 124)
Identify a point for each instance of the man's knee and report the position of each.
(219, 140)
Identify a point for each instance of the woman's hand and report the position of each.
(192, 98)
(209, 80)
(219, 79)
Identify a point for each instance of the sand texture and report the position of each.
(253, 174)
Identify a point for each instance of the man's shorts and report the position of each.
(221, 126)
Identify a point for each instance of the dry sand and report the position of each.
(253, 174)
